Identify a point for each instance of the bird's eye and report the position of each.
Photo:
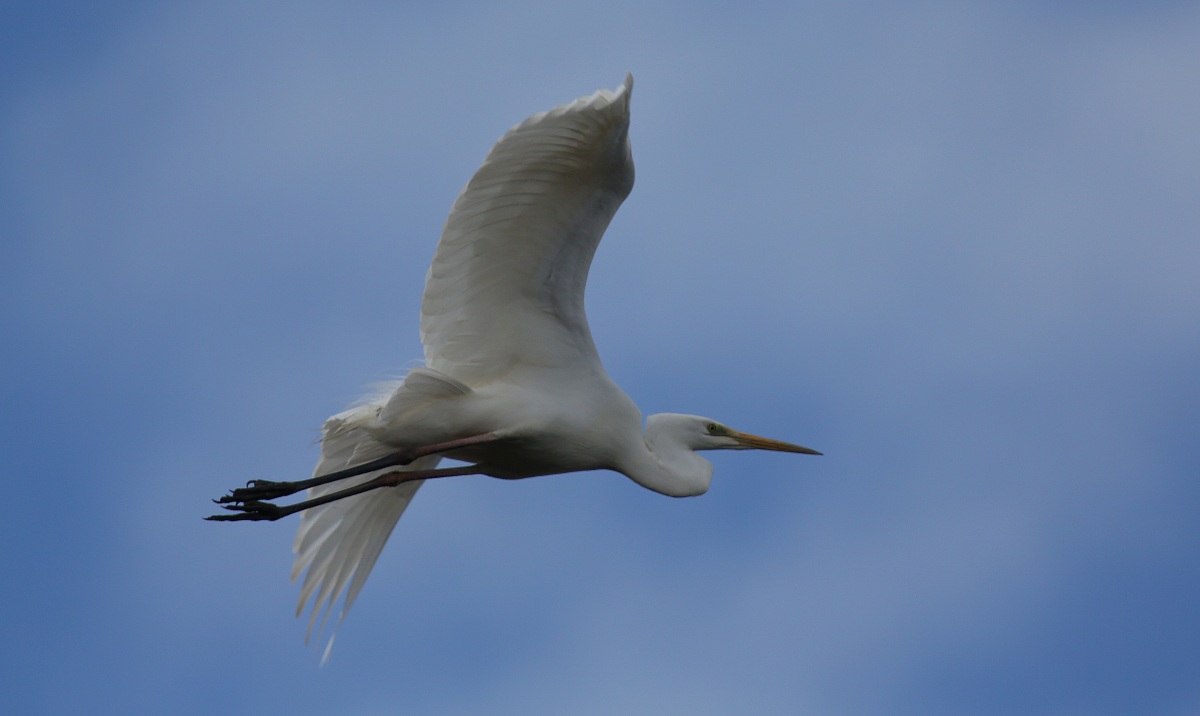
(712, 428)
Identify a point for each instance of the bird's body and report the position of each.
(512, 382)
(540, 431)
(540, 428)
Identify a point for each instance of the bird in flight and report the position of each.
(512, 384)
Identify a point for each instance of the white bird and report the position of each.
(512, 384)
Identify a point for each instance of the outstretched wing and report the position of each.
(507, 282)
(337, 544)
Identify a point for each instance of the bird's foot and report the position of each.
(259, 491)
(249, 510)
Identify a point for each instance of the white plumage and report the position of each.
(521, 236)
(512, 383)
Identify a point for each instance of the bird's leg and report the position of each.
(261, 490)
(259, 510)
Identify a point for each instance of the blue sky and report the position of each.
(952, 245)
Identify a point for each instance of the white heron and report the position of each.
(512, 384)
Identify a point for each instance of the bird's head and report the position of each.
(700, 433)
(675, 441)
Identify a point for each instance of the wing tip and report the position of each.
(597, 100)
(626, 90)
(619, 95)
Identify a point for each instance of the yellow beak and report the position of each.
(759, 443)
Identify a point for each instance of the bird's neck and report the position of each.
(669, 467)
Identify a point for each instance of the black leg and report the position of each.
(261, 490)
(260, 510)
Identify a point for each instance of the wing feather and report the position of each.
(337, 544)
(507, 281)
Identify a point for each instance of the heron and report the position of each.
(511, 384)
